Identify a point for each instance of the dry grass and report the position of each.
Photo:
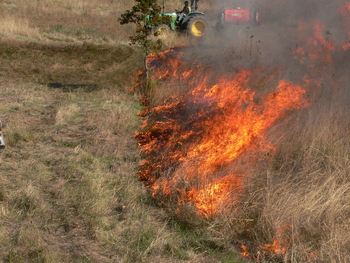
(12, 26)
(301, 197)
(313, 194)
(68, 66)
(77, 20)
(69, 191)
(71, 21)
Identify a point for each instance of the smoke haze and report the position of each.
(304, 40)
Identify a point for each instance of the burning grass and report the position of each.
(303, 191)
(232, 150)
(203, 132)
(245, 157)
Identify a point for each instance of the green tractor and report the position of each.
(194, 23)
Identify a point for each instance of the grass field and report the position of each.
(69, 190)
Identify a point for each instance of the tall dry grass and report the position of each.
(68, 185)
(69, 191)
(14, 26)
(295, 206)
(71, 21)
(299, 201)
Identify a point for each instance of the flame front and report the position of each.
(279, 244)
(204, 142)
(195, 143)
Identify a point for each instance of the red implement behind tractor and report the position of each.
(238, 17)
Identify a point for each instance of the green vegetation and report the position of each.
(141, 35)
(137, 15)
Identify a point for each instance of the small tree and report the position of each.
(137, 15)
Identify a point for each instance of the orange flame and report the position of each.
(199, 145)
(313, 255)
(317, 47)
(245, 253)
(280, 242)
(215, 196)
(192, 155)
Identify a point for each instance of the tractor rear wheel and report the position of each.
(197, 26)
(162, 31)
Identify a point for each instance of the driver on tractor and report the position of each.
(186, 10)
